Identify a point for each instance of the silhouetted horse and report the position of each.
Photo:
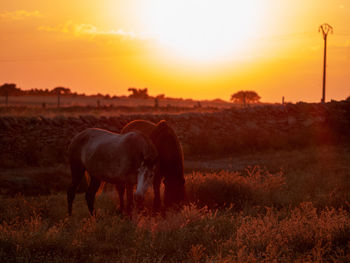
(121, 159)
(170, 160)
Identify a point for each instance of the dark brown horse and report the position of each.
(170, 160)
(121, 159)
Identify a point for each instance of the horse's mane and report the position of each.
(146, 127)
(163, 135)
(171, 160)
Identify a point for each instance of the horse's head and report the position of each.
(171, 163)
(145, 178)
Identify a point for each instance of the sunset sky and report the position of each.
(202, 49)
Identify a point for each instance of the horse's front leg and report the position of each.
(156, 190)
(129, 198)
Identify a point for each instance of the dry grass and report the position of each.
(255, 216)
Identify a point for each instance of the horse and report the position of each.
(171, 166)
(121, 159)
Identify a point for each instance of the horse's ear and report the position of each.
(161, 127)
(162, 124)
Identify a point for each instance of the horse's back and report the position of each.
(82, 139)
(85, 143)
(107, 154)
(143, 126)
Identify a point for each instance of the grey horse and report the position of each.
(121, 159)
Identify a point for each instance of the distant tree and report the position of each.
(138, 93)
(348, 98)
(59, 91)
(245, 97)
(9, 89)
(198, 105)
(160, 96)
(133, 91)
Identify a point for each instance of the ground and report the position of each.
(275, 205)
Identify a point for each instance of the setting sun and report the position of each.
(204, 30)
(201, 49)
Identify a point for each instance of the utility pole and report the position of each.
(58, 98)
(325, 28)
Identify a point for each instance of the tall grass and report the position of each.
(230, 217)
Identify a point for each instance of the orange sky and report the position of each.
(200, 49)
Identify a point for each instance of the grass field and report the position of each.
(278, 206)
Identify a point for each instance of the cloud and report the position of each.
(94, 41)
(87, 30)
(20, 15)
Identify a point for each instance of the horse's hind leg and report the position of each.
(91, 192)
(130, 198)
(77, 174)
(121, 189)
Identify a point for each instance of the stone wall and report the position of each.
(40, 141)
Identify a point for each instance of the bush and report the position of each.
(231, 189)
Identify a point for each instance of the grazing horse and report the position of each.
(170, 160)
(121, 159)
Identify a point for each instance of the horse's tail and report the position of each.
(100, 190)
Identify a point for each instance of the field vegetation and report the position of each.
(108, 109)
(296, 208)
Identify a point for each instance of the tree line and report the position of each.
(11, 89)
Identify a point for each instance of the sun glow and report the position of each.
(204, 29)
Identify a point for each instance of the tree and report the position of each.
(245, 97)
(138, 93)
(59, 91)
(8, 89)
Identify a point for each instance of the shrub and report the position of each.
(222, 189)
